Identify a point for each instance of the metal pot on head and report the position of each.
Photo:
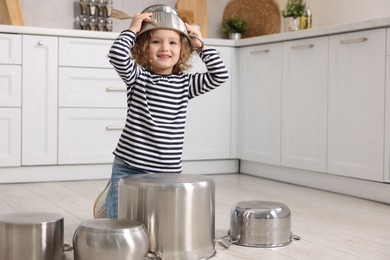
(167, 18)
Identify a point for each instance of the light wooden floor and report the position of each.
(332, 226)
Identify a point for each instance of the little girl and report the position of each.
(152, 64)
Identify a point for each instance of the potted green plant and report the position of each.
(292, 14)
(235, 27)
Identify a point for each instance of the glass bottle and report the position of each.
(307, 18)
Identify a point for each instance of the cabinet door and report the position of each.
(304, 104)
(260, 103)
(89, 135)
(356, 104)
(39, 102)
(208, 126)
(10, 129)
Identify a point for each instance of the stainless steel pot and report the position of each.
(31, 235)
(167, 18)
(177, 211)
(110, 239)
(260, 224)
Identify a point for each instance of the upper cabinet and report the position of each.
(260, 90)
(304, 104)
(357, 104)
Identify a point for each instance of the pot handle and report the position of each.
(229, 242)
(67, 247)
(152, 256)
(199, 39)
(295, 237)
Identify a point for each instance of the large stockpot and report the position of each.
(110, 239)
(177, 211)
(31, 235)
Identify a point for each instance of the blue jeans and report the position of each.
(120, 169)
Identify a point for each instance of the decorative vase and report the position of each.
(291, 24)
(234, 36)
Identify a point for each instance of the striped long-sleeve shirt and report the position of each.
(153, 135)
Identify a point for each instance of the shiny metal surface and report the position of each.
(32, 236)
(260, 224)
(110, 239)
(178, 211)
(167, 18)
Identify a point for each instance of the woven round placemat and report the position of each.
(263, 16)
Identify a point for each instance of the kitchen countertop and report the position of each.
(284, 36)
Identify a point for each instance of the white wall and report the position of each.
(59, 13)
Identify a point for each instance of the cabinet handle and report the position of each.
(363, 39)
(114, 128)
(303, 46)
(113, 89)
(259, 51)
(41, 43)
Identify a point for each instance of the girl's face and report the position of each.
(164, 50)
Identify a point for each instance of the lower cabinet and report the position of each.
(357, 104)
(89, 135)
(39, 100)
(260, 91)
(327, 114)
(304, 104)
(209, 117)
(10, 129)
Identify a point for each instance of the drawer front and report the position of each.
(10, 49)
(77, 52)
(89, 135)
(84, 87)
(10, 137)
(10, 85)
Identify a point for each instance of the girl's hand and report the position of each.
(195, 42)
(136, 23)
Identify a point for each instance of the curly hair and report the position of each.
(141, 47)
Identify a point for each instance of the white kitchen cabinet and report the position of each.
(10, 85)
(10, 49)
(10, 99)
(91, 87)
(356, 104)
(90, 53)
(304, 104)
(208, 125)
(10, 129)
(39, 100)
(89, 135)
(92, 102)
(260, 103)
